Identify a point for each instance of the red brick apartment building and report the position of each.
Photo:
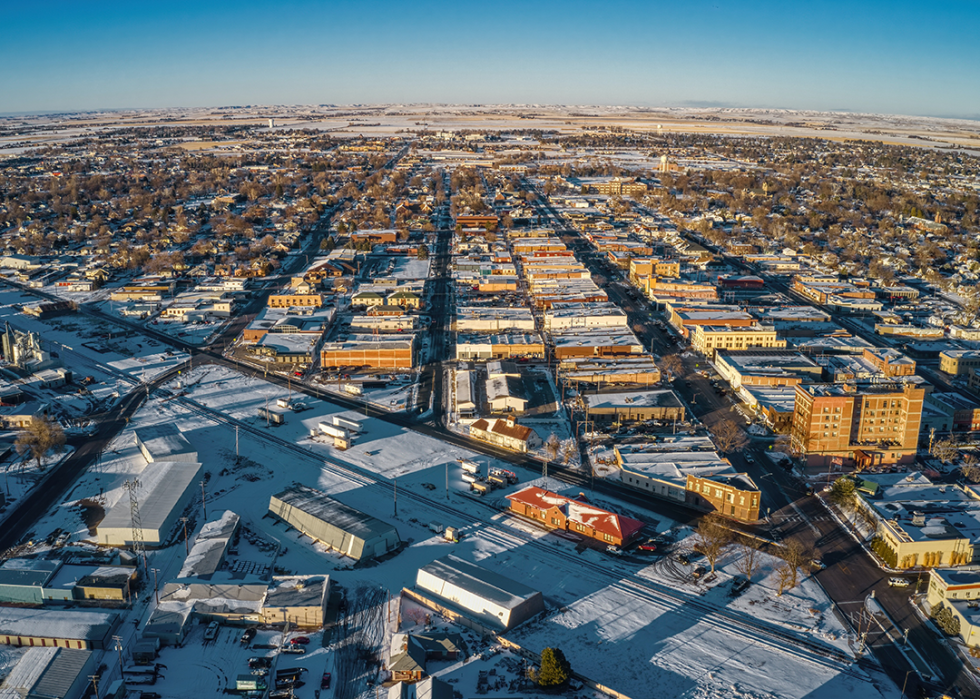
(556, 511)
(857, 425)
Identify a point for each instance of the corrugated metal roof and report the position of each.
(61, 673)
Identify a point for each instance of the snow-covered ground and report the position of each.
(630, 623)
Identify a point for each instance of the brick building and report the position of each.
(554, 511)
(857, 424)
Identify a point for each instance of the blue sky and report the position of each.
(894, 57)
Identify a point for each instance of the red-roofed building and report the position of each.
(556, 511)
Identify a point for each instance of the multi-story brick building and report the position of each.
(295, 301)
(705, 339)
(857, 425)
(734, 495)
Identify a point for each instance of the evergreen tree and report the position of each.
(555, 670)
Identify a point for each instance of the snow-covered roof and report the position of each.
(478, 581)
(88, 625)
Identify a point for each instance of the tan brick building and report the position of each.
(705, 339)
(295, 301)
(732, 495)
(858, 425)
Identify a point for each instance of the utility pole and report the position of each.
(156, 589)
(95, 684)
(447, 480)
(236, 442)
(204, 503)
(119, 647)
(183, 521)
(396, 497)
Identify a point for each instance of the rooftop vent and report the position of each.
(918, 519)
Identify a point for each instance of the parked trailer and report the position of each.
(452, 534)
(351, 425)
(469, 466)
(334, 431)
(284, 403)
(470, 477)
(273, 417)
(353, 389)
(480, 488)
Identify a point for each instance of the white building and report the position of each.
(481, 594)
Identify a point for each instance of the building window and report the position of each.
(555, 521)
(608, 537)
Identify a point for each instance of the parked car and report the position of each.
(739, 585)
(325, 681)
(898, 582)
(259, 662)
(248, 635)
(301, 640)
(614, 550)
(683, 559)
(647, 545)
(298, 650)
(749, 459)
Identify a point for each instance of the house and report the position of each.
(505, 433)
(411, 652)
(554, 511)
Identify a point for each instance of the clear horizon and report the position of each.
(869, 57)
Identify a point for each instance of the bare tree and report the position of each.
(41, 435)
(712, 538)
(552, 446)
(970, 468)
(568, 449)
(748, 560)
(797, 555)
(672, 365)
(785, 577)
(728, 436)
(945, 450)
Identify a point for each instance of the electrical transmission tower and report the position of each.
(134, 510)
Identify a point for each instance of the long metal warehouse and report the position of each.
(485, 596)
(166, 488)
(340, 527)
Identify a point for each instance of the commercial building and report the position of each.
(857, 424)
(295, 301)
(707, 339)
(342, 528)
(50, 673)
(164, 442)
(166, 488)
(383, 353)
(411, 652)
(62, 628)
(639, 406)
(696, 477)
(554, 511)
(959, 362)
(207, 556)
(641, 370)
(479, 593)
(958, 591)
(514, 345)
(505, 433)
(765, 367)
(493, 319)
(298, 600)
